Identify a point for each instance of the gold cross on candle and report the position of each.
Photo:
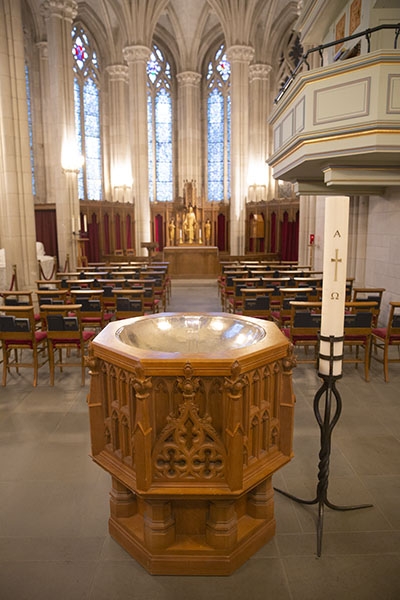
(336, 260)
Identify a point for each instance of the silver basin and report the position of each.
(190, 333)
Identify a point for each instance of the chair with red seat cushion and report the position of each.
(304, 328)
(358, 321)
(19, 336)
(65, 333)
(383, 338)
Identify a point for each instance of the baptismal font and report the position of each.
(191, 414)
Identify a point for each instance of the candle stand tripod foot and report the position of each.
(326, 422)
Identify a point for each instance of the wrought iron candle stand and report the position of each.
(326, 421)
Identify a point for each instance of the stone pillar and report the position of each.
(48, 154)
(189, 128)
(63, 153)
(137, 57)
(358, 230)
(260, 174)
(17, 218)
(120, 161)
(239, 57)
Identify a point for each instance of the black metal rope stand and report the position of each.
(326, 424)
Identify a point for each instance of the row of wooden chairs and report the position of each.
(22, 339)
(45, 325)
(298, 312)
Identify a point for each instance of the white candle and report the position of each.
(73, 224)
(334, 280)
(84, 223)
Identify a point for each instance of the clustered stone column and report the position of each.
(17, 221)
(239, 58)
(121, 169)
(59, 16)
(189, 131)
(258, 128)
(137, 57)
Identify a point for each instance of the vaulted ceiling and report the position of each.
(187, 26)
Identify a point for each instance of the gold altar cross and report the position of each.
(336, 260)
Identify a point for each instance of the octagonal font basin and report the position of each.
(190, 333)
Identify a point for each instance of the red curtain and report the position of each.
(118, 245)
(128, 231)
(221, 232)
(93, 247)
(106, 225)
(262, 239)
(158, 232)
(252, 241)
(46, 230)
(273, 232)
(289, 238)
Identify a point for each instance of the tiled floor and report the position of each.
(54, 543)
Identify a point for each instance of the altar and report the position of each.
(192, 261)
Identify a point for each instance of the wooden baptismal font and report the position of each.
(191, 414)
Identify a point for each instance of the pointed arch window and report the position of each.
(159, 122)
(29, 106)
(218, 127)
(87, 115)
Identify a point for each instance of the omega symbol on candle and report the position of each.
(335, 296)
(336, 260)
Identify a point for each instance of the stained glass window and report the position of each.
(28, 98)
(218, 127)
(87, 115)
(159, 119)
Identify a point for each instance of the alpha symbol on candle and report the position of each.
(336, 260)
(337, 233)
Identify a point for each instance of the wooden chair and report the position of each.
(93, 314)
(151, 301)
(65, 333)
(383, 338)
(304, 328)
(358, 332)
(159, 286)
(370, 295)
(51, 297)
(256, 303)
(17, 298)
(129, 303)
(19, 336)
(281, 312)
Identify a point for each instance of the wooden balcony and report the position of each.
(336, 130)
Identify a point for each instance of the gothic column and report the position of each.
(137, 57)
(120, 161)
(189, 128)
(358, 235)
(17, 218)
(63, 153)
(260, 174)
(239, 58)
(48, 166)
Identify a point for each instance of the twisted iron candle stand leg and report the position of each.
(326, 422)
